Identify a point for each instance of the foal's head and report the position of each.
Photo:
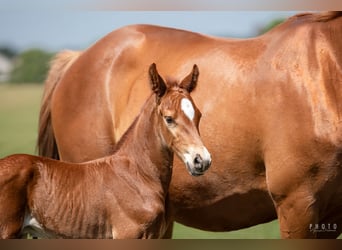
(178, 120)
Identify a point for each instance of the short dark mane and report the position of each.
(130, 128)
(123, 138)
(327, 16)
(170, 82)
(319, 17)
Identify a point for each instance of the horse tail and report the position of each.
(46, 144)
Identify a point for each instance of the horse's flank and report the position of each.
(271, 118)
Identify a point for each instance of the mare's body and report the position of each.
(271, 118)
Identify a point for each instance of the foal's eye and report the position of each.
(169, 120)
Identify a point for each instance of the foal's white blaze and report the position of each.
(187, 108)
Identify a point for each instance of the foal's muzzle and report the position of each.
(197, 161)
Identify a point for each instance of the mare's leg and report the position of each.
(307, 198)
(303, 180)
(296, 213)
(292, 192)
(311, 210)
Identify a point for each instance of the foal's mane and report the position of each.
(130, 128)
(125, 135)
(170, 82)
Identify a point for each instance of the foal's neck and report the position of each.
(143, 146)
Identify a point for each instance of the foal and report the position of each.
(119, 196)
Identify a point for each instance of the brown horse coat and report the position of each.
(271, 118)
(119, 196)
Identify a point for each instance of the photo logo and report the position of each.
(324, 227)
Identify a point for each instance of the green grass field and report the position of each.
(19, 110)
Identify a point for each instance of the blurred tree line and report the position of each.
(271, 25)
(31, 66)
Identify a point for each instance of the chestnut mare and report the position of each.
(271, 118)
(119, 196)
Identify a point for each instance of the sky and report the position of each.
(76, 24)
(77, 29)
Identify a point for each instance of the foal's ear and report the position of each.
(189, 82)
(157, 83)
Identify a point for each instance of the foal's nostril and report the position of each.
(198, 159)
